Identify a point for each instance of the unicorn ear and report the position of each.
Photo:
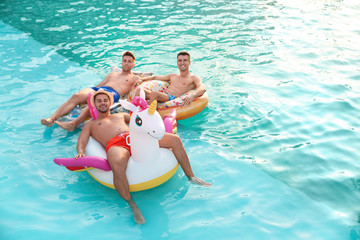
(142, 93)
(127, 105)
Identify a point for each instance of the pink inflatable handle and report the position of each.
(170, 121)
(88, 161)
(93, 111)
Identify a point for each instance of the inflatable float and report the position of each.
(165, 108)
(149, 165)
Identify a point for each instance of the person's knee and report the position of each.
(175, 140)
(76, 98)
(119, 164)
(118, 160)
(154, 95)
(178, 139)
(137, 91)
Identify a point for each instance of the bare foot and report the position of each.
(70, 126)
(47, 121)
(199, 181)
(139, 219)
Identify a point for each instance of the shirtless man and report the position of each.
(111, 131)
(117, 83)
(179, 83)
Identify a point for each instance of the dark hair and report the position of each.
(128, 53)
(183, 53)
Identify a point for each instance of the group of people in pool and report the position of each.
(111, 129)
(119, 84)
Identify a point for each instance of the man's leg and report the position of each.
(153, 95)
(118, 158)
(158, 96)
(174, 142)
(65, 108)
(71, 125)
(147, 92)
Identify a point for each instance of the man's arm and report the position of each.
(106, 79)
(200, 87)
(157, 77)
(199, 90)
(127, 117)
(137, 81)
(83, 140)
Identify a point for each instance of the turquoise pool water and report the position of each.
(279, 139)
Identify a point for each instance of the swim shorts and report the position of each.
(171, 97)
(110, 90)
(119, 141)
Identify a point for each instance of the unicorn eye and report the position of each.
(138, 121)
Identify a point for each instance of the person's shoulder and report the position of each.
(88, 125)
(195, 77)
(173, 75)
(134, 76)
(119, 115)
(111, 74)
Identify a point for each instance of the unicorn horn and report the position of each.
(152, 107)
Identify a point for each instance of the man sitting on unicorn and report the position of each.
(111, 131)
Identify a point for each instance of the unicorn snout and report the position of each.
(157, 134)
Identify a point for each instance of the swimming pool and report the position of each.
(279, 140)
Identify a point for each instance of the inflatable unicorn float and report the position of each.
(149, 165)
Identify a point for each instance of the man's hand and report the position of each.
(147, 78)
(79, 155)
(138, 82)
(188, 99)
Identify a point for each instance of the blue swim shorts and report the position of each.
(110, 90)
(171, 97)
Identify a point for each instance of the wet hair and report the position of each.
(183, 53)
(128, 53)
